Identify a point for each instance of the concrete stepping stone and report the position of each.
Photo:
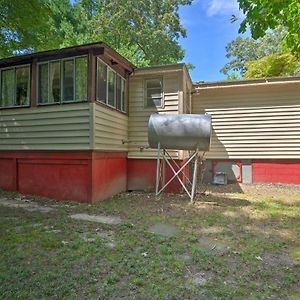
(29, 206)
(185, 257)
(212, 246)
(111, 220)
(163, 229)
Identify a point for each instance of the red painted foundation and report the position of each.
(276, 171)
(84, 176)
(141, 175)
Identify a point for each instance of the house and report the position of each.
(74, 121)
(73, 124)
(256, 128)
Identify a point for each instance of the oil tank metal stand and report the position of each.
(160, 185)
(178, 132)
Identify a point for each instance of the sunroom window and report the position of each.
(110, 87)
(62, 80)
(111, 97)
(15, 86)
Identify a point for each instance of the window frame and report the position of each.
(14, 84)
(61, 69)
(162, 93)
(115, 88)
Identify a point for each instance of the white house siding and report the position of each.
(110, 129)
(139, 115)
(57, 127)
(252, 121)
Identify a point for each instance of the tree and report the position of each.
(261, 15)
(145, 32)
(243, 50)
(273, 65)
(24, 26)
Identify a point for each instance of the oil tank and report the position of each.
(180, 132)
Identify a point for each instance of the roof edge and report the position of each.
(241, 82)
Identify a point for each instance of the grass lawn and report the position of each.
(233, 243)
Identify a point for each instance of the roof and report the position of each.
(244, 82)
(163, 68)
(73, 50)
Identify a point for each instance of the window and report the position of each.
(154, 92)
(81, 78)
(120, 93)
(110, 87)
(111, 92)
(15, 86)
(54, 82)
(101, 81)
(68, 80)
(63, 80)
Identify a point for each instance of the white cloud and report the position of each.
(221, 7)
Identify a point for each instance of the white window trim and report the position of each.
(162, 93)
(14, 99)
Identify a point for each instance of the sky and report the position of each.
(208, 31)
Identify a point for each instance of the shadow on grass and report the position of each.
(228, 188)
(222, 201)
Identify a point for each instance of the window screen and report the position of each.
(153, 92)
(43, 83)
(54, 81)
(101, 81)
(7, 87)
(111, 81)
(68, 80)
(81, 78)
(22, 86)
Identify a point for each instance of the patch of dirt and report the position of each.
(104, 219)
(276, 259)
(164, 230)
(25, 204)
(213, 246)
(201, 278)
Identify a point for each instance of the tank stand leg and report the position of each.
(195, 177)
(157, 170)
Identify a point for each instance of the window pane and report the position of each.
(81, 78)
(152, 102)
(153, 92)
(154, 83)
(111, 87)
(54, 82)
(7, 87)
(119, 92)
(123, 95)
(43, 83)
(68, 79)
(102, 81)
(22, 86)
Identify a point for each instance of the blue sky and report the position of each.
(208, 31)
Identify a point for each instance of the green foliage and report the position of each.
(233, 76)
(145, 32)
(241, 50)
(261, 15)
(24, 25)
(273, 65)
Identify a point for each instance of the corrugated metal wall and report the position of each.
(139, 115)
(252, 121)
(63, 127)
(110, 129)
